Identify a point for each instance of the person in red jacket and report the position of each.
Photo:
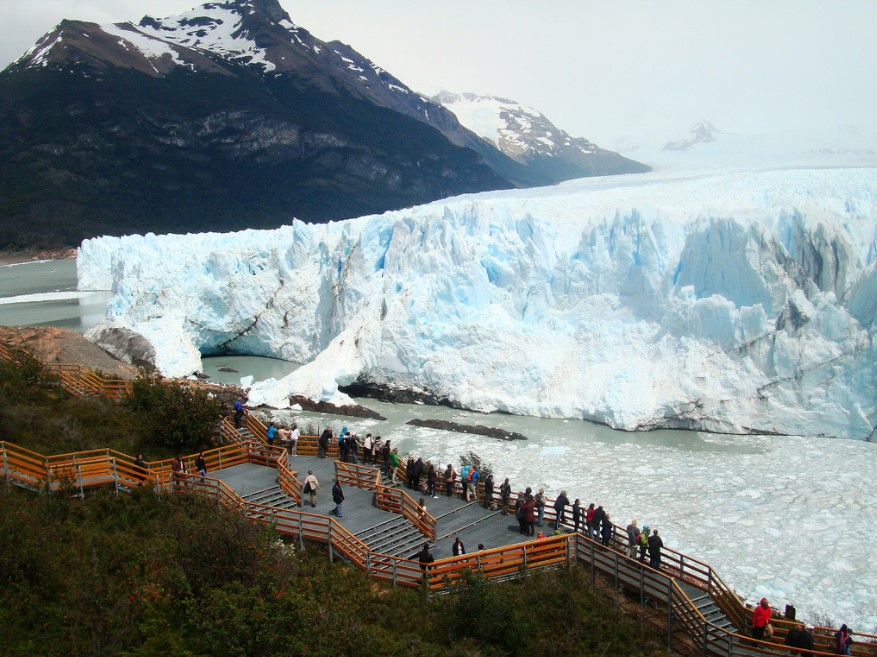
(760, 619)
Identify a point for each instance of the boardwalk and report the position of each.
(470, 521)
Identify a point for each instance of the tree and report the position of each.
(173, 415)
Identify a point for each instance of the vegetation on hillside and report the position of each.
(154, 574)
(158, 419)
(148, 573)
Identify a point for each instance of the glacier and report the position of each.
(739, 301)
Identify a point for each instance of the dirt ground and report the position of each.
(55, 345)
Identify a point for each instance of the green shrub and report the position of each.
(172, 415)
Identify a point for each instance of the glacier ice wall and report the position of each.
(732, 302)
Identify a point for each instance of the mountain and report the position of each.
(529, 138)
(703, 132)
(733, 302)
(225, 117)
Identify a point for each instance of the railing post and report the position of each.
(368, 568)
(525, 556)
(394, 571)
(705, 636)
(219, 454)
(681, 566)
(670, 615)
(301, 536)
(331, 554)
(593, 565)
(81, 483)
(6, 466)
(115, 477)
(642, 585)
(615, 573)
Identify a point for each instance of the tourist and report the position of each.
(139, 462)
(450, 478)
(464, 480)
(760, 619)
(519, 513)
(294, 435)
(576, 515)
(632, 539)
(488, 492)
(506, 492)
(799, 637)
(589, 520)
(417, 473)
(393, 465)
(310, 487)
(431, 480)
(178, 469)
(655, 545)
(421, 509)
(458, 548)
(342, 444)
(472, 481)
(530, 514)
(560, 505)
(843, 640)
(643, 544)
(377, 449)
(540, 506)
(597, 522)
(425, 558)
(201, 465)
(323, 443)
(352, 447)
(386, 450)
(607, 530)
(238, 413)
(338, 498)
(367, 446)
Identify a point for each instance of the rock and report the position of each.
(324, 407)
(61, 346)
(126, 345)
(477, 429)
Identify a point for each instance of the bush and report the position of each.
(172, 415)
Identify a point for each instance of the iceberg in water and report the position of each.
(730, 302)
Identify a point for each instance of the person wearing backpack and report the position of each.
(472, 478)
(643, 544)
(464, 479)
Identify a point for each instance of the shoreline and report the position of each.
(22, 257)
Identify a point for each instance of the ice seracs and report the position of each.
(732, 302)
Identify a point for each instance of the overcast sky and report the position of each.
(603, 69)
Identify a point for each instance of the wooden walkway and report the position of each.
(470, 521)
(382, 526)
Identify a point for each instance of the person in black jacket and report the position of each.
(607, 530)
(338, 498)
(560, 504)
(655, 545)
(488, 492)
(596, 523)
(425, 558)
(458, 548)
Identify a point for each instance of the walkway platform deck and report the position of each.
(454, 517)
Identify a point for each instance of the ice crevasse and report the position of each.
(732, 302)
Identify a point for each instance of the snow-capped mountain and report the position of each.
(732, 302)
(224, 117)
(527, 136)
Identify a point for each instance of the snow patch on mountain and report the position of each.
(519, 131)
(729, 302)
